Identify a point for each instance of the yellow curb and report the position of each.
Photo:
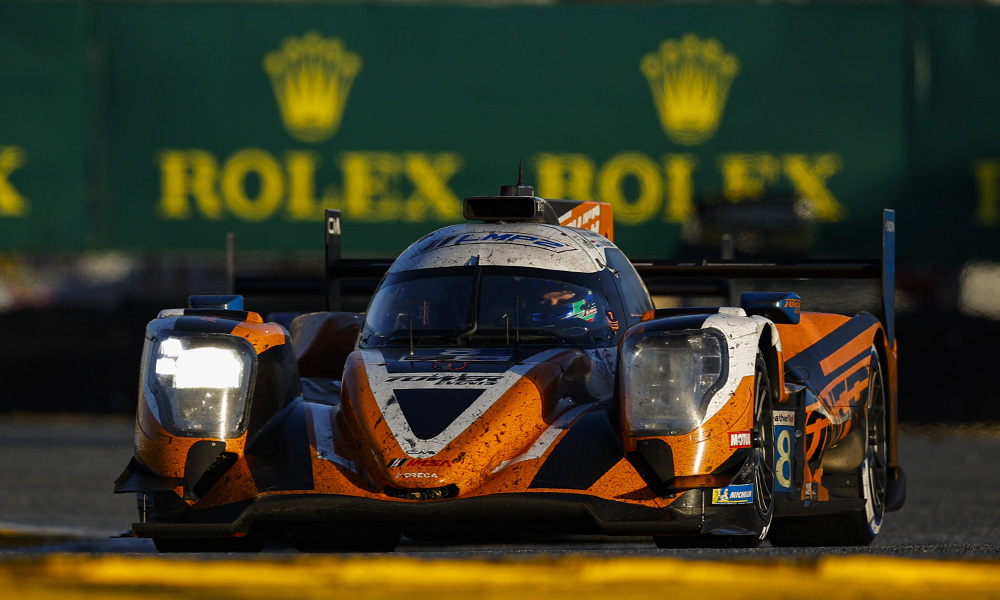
(576, 578)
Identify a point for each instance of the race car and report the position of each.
(512, 379)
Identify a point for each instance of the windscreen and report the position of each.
(489, 306)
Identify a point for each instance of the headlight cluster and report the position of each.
(199, 383)
(669, 379)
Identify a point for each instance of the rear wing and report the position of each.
(713, 278)
(346, 276)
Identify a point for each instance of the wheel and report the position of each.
(858, 528)
(762, 460)
(763, 453)
(763, 449)
(863, 527)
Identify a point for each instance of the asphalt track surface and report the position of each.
(59, 519)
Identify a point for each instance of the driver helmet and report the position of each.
(562, 301)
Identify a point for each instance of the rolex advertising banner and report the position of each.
(45, 124)
(955, 169)
(790, 127)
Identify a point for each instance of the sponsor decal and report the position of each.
(397, 463)
(784, 418)
(481, 398)
(412, 463)
(733, 494)
(450, 366)
(739, 439)
(515, 239)
(467, 379)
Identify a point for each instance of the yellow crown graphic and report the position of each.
(690, 82)
(312, 78)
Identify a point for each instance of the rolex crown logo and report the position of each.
(690, 82)
(312, 78)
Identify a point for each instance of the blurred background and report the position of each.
(136, 135)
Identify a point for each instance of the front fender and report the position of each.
(166, 446)
(719, 435)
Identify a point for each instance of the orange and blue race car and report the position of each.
(511, 379)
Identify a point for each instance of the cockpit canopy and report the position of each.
(491, 306)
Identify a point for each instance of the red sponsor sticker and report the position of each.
(397, 463)
(450, 366)
(739, 439)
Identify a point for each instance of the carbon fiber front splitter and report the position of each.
(527, 513)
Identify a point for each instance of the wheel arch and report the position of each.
(769, 344)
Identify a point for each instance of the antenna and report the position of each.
(520, 189)
(506, 321)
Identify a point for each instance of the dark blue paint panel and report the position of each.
(810, 358)
(431, 411)
(280, 457)
(585, 453)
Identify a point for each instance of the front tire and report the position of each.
(762, 452)
(858, 528)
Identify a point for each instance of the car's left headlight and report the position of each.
(669, 378)
(199, 383)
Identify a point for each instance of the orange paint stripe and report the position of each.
(847, 352)
(812, 326)
(261, 335)
(602, 222)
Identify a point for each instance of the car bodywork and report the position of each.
(511, 378)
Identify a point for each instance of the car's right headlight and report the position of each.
(669, 378)
(199, 383)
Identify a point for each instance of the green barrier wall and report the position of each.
(155, 126)
(47, 112)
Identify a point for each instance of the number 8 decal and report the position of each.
(784, 427)
(783, 470)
